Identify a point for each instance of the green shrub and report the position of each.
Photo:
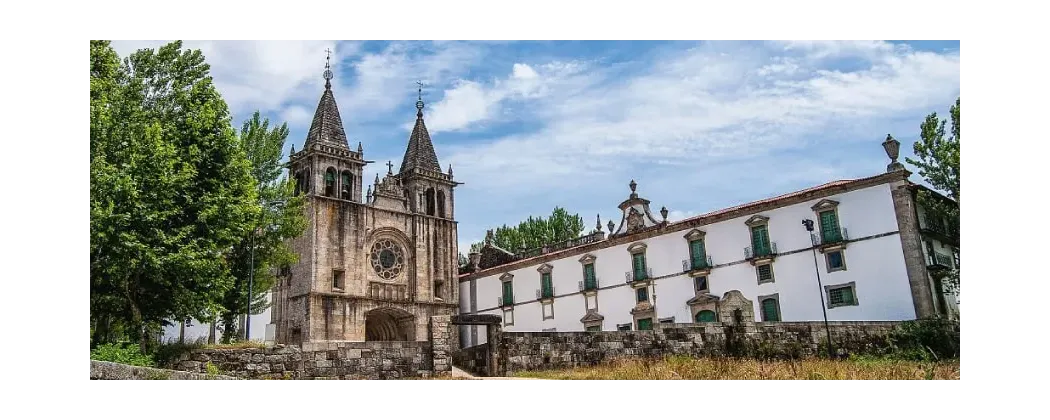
(925, 339)
(124, 353)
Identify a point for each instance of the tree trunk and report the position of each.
(211, 333)
(182, 332)
(136, 314)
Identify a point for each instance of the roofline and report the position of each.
(938, 194)
(820, 191)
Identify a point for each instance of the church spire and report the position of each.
(327, 126)
(420, 152)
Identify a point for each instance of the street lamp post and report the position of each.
(809, 227)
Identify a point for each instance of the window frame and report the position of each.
(827, 260)
(776, 301)
(758, 275)
(852, 286)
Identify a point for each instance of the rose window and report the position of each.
(387, 259)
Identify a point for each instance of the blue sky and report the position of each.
(532, 125)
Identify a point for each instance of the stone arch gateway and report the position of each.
(389, 324)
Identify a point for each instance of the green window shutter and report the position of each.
(548, 287)
(760, 240)
(705, 316)
(829, 226)
(769, 310)
(594, 328)
(589, 281)
(508, 292)
(639, 266)
(847, 295)
(696, 252)
(645, 324)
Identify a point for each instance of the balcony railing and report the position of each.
(589, 284)
(504, 300)
(937, 226)
(941, 260)
(697, 263)
(641, 276)
(545, 292)
(829, 237)
(765, 250)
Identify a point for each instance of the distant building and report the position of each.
(878, 255)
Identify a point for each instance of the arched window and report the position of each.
(347, 185)
(308, 183)
(430, 201)
(705, 316)
(441, 203)
(298, 182)
(329, 182)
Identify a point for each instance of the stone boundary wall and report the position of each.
(333, 360)
(116, 371)
(346, 360)
(557, 350)
(472, 359)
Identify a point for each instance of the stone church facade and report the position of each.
(374, 264)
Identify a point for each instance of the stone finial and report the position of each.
(611, 225)
(293, 150)
(488, 237)
(450, 169)
(599, 219)
(368, 194)
(377, 180)
(892, 148)
(663, 212)
(359, 148)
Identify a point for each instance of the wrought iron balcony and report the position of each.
(829, 237)
(939, 260)
(763, 250)
(589, 284)
(545, 292)
(697, 263)
(633, 277)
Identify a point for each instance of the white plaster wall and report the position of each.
(876, 265)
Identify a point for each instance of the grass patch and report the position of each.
(735, 369)
(123, 353)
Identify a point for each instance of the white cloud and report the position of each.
(709, 104)
(263, 75)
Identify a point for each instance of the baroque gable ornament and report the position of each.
(825, 204)
(634, 221)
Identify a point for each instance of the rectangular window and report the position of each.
(645, 324)
(829, 226)
(835, 260)
(508, 293)
(765, 273)
(701, 284)
(638, 263)
(547, 285)
(842, 295)
(769, 310)
(594, 328)
(623, 327)
(697, 257)
(760, 241)
(338, 279)
(642, 294)
(590, 282)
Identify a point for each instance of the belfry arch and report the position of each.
(389, 324)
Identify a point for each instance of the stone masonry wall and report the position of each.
(472, 359)
(334, 360)
(557, 350)
(346, 360)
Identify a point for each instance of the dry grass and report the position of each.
(690, 368)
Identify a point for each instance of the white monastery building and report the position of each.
(877, 256)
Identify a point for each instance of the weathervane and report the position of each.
(419, 103)
(328, 69)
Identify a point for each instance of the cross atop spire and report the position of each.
(389, 168)
(328, 69)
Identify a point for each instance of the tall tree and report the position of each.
(171, 194)
(937, 154)
(536, 232)
(281, 217)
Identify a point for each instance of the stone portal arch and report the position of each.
(389, 324)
